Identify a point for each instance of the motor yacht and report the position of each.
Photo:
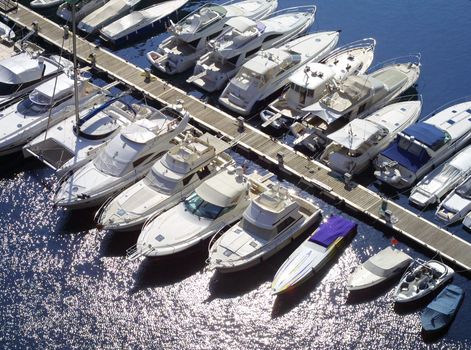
(242, 39)
(82, 9)
(189, 37)
(456, 205)
(267, 72)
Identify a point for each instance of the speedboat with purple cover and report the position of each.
(313, 253)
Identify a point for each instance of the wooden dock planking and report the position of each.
(315, 174)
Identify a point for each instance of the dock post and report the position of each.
(347, 178)
(147, 72)
(92, 58)
(66, 31)
(280, 158)
(240, 123)
(35, 26)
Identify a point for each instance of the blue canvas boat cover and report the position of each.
(335, 227)
(427, 134)
(411, 162)
(447, 301)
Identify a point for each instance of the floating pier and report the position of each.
(288, 161)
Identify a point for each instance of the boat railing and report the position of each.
(367, 43)
(132, 253)
(456, 101)
(407, 98)
(413, 58)
(304, 8)
(97, 217)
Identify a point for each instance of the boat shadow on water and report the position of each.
(115, 244)
(15, 163)
(76, 221)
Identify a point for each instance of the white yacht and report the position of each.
(243, 38)
(356, 97)
(456, 205)
(46, 105)
(139, 22)
(42, 4)
(271, 221)
(106, 14)
(189, 37)
(353, 147)
(122, 162)
(443, 179)
(422, 279)
(71, 143)
(423, 146)
(381, 267)
(82, 9)
(215, 204)
(314, 80)
(269, 70)
(171, 179)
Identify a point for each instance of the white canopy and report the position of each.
(222, 190)
(353, 135)
(311, 75)
(21, 69)
(241, 23)
(45, 94)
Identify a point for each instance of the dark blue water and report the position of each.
(66, 285)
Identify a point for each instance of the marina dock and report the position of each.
(286, 159)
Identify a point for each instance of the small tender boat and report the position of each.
(139, 22)
(269, 70)
(6, 33)
(171, 179)
(422, 146)
(443, 179)
(353, 147)
(82, 9)
(122, 162)
(442, 310)
(421, 280)
(457, 204)
(271, 221)
(381, 267)
(242, 39)
(42, 4)
(312, 254)
(189, 37)
(215, 204)
(356, 97)
(314, 80)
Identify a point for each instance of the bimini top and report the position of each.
(312, 75)
(45, 94)
(356, 133)
(141, 131)
(223, 190)
(242, 24)
(428, 134)
(21, 69)
(335, 227)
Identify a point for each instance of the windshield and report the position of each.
(261, 233)
(200, 19)
(410, 146)
(161, 183)
(199, 207)
(29, 108)
(465, 189)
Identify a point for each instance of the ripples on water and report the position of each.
(65, 284)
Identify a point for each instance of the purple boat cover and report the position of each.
(333, 228)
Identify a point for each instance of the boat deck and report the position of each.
(315, 174)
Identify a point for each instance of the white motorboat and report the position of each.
(312, 254)
(106, 14)
(384, 265)
(353, 147)
(243, 38)
(314, 80)
(139, 22)
(215, 204)
(456, 205)
(189, 37)
(269, 70)
(443, 179)
(423, 146)
(6, 33)
(82, 9)
(356, 97)
(46, 105)
(42, 4)
(421, 280)
(122, 162)
(70, 144)
(271, 221)
(21, 73)
(171, 179)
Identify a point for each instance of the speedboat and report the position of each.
(122, 162)
(243, 38)
(48, 104)
(106, 14)
(269, 70)
(21, 73)
(381, 267)
(422, 279)
(6, 33)
(82, 9)
(215, 204)
(139, 22)
(353, 147)
(314, 80)
(313, 253)
(42, 4)
(457, 204)
(271, 221)
(189, 37)
(442, 310)
(71, 143)
(423, 146)
(171, 179)
(356, 97)
(443, 179)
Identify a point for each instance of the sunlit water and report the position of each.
(65, 284)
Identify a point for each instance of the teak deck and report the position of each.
(311, 172)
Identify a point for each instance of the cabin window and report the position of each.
(187, 179)
(284, 224)
(160, 182)
(203, 173)
(271, 37)
(253, 52)
(199, 207)
(139, 161)
(212, 36)
(194, 43)
(233, 60)
(361, 109)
